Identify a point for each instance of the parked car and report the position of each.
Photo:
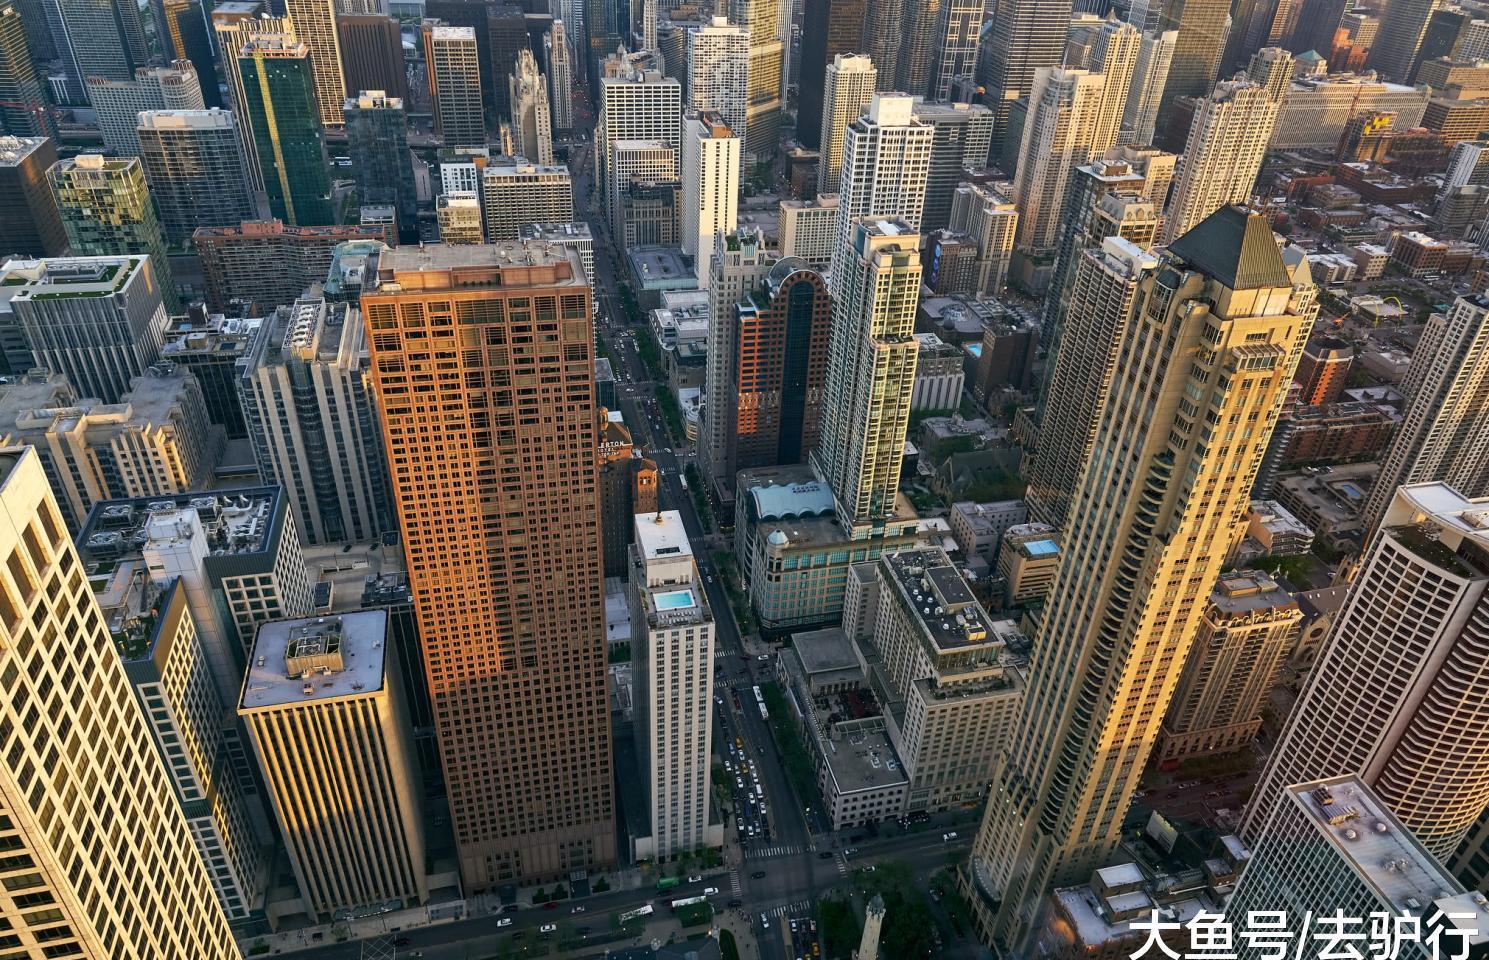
(548, 928)
(504, 922)
(710, 891)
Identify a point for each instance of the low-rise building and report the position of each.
(1418, 254)
(1335, 432)
(1372, 259)
(979, 527)
(939, 375)
(1330, 503)
(1027, 559)
(1278, 532)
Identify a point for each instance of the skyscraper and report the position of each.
(502, 532)
(1145, 94)
(29, 223)
(282, 116)
(377, 145)
(886, 163)
(187, 37)
(883, 36)
(314, 22)
(193, 160)
(1157, 493)
(560, 77)
(849, 86)
(957, 37)
(990, 219)
(674, 657)
(915, 66)
(105, 208)
(961, 134)
(718, 71)
(1444, 429)
(118, 103)
(517, 193)
(1067, 126)
(870, 367)
(710, 186)
(766, 73)
(93, 732)
(532, 121)
(106, 37)
(1021, 38)
(1413, 633)
(1197, 49)
(1222, 155)
(234, 30)
(829, 28)
(454, 65)
(372, 54)
(24, 111)
(1402, 26)
(637, 102)
(506, 32)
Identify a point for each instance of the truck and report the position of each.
(667, 883)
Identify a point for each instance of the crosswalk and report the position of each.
(780, 850)
(794, 908)
(734, 883)
(842, 864)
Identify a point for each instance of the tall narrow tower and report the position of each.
(849, 87)
(532, 121)
(1022, 38)
(24, 112)
(454, 64)
(284, 122)
(1201, 28)
(1223, 154)
(1068, 125)
(718, 71)
(886, 162)
(106, 209)
(1223, 323)
(315, 26)
(498, 505)
(710, 186)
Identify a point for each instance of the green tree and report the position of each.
(727, 947)
(839, 928)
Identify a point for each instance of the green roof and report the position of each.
(1236, 247)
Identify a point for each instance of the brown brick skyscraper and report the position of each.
(483, 358)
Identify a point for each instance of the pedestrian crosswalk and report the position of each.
(780, 850)
(734, 883)
(793, 909)
(842, 865)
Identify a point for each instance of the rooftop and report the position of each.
(825, 650)
(214, 119)
(236, 522)
(661, 536)
(152, 399)
(864, 760)
(68, 277)
(940, 600)
(793, 497)
(215, 337)
(1236, 247)
(15, 149)
(1244, 592)
(565, 232)
(316, 659)
(507, 253)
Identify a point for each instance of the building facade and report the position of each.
(282, 115)
(193, 160)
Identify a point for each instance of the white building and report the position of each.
(672, 630)
(1149, 75)
(514, 194)
(886, 163)
(940, 372)
(718, 71)
(118, 103)
(1314, 110)
(710, 186)
(807, 229)
(1068, 124)
(574, 234)
(637, 102)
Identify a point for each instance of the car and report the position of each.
(739, 782)
(551, 905)
(763, 658)
(695, 879)
(548, 928)
(710, 891)
(849, 851)
(577, 910)
(825, 855)
(504, 922)
(948, 837)
(764, 922)
(758, 875)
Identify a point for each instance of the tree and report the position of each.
(727, 947)
(839, 928)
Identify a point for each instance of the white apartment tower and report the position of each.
(1069, 123)
(1149, 75)
(101, 858)
(848, 89)
(674, 660)
(1222, 155)
(710, 186)
(718, 71)
(886, 163)
(991, 220)
(532, 123)
(1414, 633)
(1444, 430)
(324, 707)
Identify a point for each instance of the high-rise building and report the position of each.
(1222, 154)
(532, 122)
(186, 36)
(1104, 298)
(459, 217)
(886, 163)
(1145, 94)
(377, 145)
(1125, 601)
(808, 229)
(193, 160)
(106, 210)
(1068, 125)
(24, 111)
(210, 346)
(506, 33)
(829, 28)
(502, 532)
(914, 66)
(324, 706)
(1250, 624)
(560, 77)
(673, 653)
(281, 114)
(568, 233)
(1444, 430)
(1415, 738)
(455, 84)
(991, 220)
(1201, 28)
(1020, 39)
(29, 223)
(514, 194)
(718, 71)
(710, 186)
(265, 264)
(234, 29)
(1332, 849)
(312, 423)
(1323, 371)
(314, 23)
(106, 39)
(883, 35)
(767, 72)
(637, 102)
(1115, 50)
(961, 135)
(955, 57)
(372, 54)
(93, 732)
(97, 320)
(118, 102)
(870, 367)
(849, 86)
(1394, 52)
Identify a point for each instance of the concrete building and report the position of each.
(1316, 110)
(849, 86)
(1028, 556)
(193, 161)
(280, 113)
(1323, 370)
(628, 488)
(210, 346)
(515, 194)
(377, 145)
(314, 24)
(106, 210)
(939, 375)
(1017, 41)
(709, 171)
(1069, 124)
(569, 233)
(807, 229)
(118, 102)
(459, 218)
(1247, 629)
(1059, 800)
(312, 422)
(95, 732)
(1276, 530)
(961, 136)
(1444, 431)
(886, 162)
(532, 118)
(718, 67)
(1149, 78)
(29, 223)
(990, 219)
(323, 704)
(97, 320)
(535, 614)
(637, 102)
(979, 527)
(559, 59)
(1222, 153)
(673, 649)
(266, 264)
(372, 54)
(1421, 594)
(454, 66)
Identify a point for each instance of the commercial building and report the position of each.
(672, 638)
(961, 136)
(323, 704)
(829, 28)
(637, 102)
(559, 60)
(454, 65)
(532, 119)
(1019, 40)
(106, 210)
(718, 66)
(979, 527)
(768, 70)
(709, 171)
(807, 229)
(313, 425)
(939, 374)
(990, 218)
(29, 223)
(1247, 629)
(193, 160)
(118, 102)
(377, 145)
(372, 54)
(1323, 370)
(459, 217)
(97, 320)
(1058, 802)
(314, 25)
(1420, 594)
(1222, 154)
(281, 114)
(850, 83)
(1028, 556)
(1316, 110)
(266, 264)
(58, 651)
(1444, 431)
(25, 111)
(515, 194)
(510, 605)
(210, 346)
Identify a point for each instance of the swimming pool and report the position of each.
(676, 600)
(1351, 490)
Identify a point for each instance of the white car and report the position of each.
(948, 837)
(577, 910)
(695, 879)
(710, 891)
(504, 922)
(764, 922)
(548, 928)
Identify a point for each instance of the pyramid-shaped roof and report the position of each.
(1236, 247)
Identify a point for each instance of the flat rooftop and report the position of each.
(933, 589)
(864, 760)
(236, 522)
(824, 651)
(217, 337)
(57, 277)
(316, 659)
(506, 253)
(662, 536)
(15, 149)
